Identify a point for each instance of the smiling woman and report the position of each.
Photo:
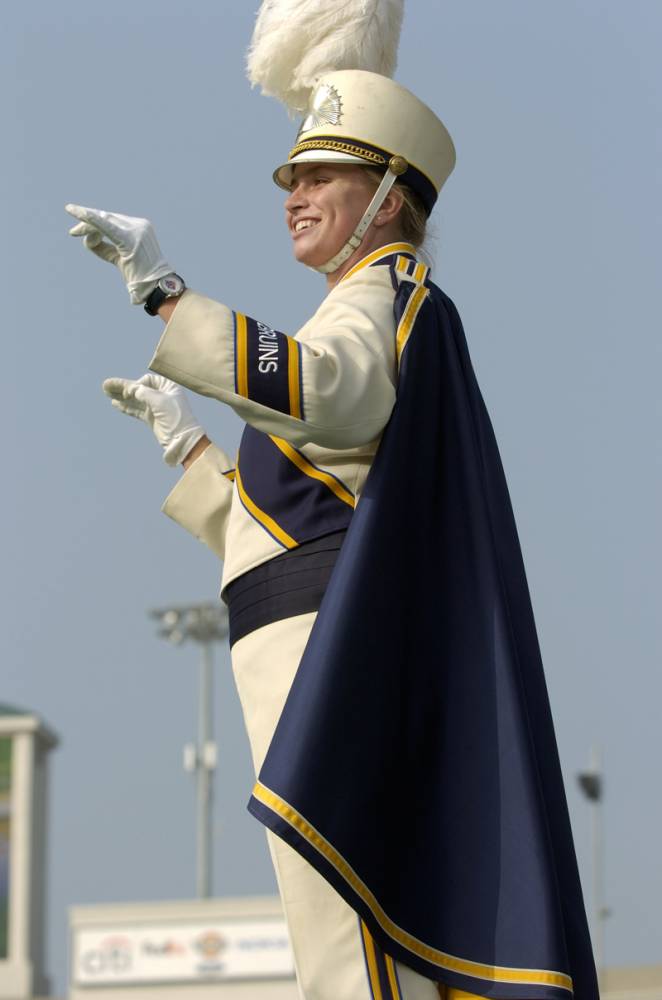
(383, 642)
(324, 207)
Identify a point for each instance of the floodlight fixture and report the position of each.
(590, 783)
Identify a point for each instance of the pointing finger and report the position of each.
(83, 213)
(97, 218)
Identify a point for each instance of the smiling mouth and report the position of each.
(302, 224)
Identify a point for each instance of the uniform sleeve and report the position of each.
(201, 500)
(332, 384)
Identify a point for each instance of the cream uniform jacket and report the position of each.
(323, 396)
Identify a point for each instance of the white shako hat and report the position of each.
(356, 116)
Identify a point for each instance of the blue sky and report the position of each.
(547, 238)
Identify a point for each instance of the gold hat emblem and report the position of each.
(325, 109)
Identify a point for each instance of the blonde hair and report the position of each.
(413, 217)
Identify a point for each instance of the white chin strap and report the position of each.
(387, 182)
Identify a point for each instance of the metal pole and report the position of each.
(205, 766)
(599, 912)
(204, 624)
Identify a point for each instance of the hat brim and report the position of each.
(283, 175)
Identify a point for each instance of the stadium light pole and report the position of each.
(204, 624)
(591, 783)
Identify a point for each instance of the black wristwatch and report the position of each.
(169, 287)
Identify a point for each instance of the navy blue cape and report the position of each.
(415, 763)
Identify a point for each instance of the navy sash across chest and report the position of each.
(289, 496)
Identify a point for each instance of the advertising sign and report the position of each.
(182, 952)
(5, 834)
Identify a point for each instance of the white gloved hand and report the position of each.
(126, 241)
(163, 405)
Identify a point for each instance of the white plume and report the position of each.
(296, 41)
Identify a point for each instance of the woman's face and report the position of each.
(324, 206)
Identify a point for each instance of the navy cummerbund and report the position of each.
(290, 584)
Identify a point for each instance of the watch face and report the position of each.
(172, 285)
